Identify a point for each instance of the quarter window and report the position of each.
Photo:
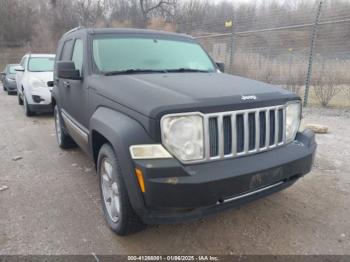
(66, 53)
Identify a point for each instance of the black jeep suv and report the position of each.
(173, 138)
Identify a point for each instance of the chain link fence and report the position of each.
(305, 48)
(305, 52)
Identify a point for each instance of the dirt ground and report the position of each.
(52, 204)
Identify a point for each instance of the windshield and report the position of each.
(130, 54)
(12, 69)
(41, 64)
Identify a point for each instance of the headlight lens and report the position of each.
(148, 152)
(293, 116)
(37, 83)
(183, 136)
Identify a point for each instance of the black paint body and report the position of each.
(126, 110)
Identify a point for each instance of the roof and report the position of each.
(125, 31)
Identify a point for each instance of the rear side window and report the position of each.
(66, 53)
(77, 56)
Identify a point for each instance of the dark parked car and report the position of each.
(8, 77)
(172, 137)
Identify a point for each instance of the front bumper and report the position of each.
(41, 108)
(176, 192)
(40, 100)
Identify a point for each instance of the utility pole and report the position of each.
(312, 48)
(230, 24)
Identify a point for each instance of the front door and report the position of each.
(74, 95)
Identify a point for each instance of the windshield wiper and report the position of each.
(133, 71)
(184, 70)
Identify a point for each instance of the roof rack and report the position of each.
(73, 30)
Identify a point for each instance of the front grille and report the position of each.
(239, 133)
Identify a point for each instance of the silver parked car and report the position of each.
(8, 77)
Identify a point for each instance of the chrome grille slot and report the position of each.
(251, 130)
(272, 127)
(280, 128)
(213, 137)
(227, 135)
(243, 132)
(240, 133)
(262, 117)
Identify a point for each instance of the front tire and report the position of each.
(117, 209)
(63, 139)
(27, 110)
(20, 101)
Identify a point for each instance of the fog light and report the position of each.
(37, 99)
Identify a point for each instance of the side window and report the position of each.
(77, 56)
(66, 52)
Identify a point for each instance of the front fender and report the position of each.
(122, 131)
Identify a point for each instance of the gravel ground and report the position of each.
(50, 204)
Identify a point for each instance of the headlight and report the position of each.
(148, 152)
(182, 135)
(293, 116)
(37, 83)
(10, 79)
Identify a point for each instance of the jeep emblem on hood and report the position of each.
(250, 97)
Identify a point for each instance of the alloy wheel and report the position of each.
(110, 190)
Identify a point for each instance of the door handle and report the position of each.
(66, 84)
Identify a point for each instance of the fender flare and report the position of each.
(121, 131)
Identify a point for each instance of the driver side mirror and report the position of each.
(221, 66)
(66, 70)
(19, 69)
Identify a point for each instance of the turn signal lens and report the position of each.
(139, 176)
(149, 152)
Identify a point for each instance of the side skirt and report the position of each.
(79, 133)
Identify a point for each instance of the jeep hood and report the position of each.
(154, 95)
